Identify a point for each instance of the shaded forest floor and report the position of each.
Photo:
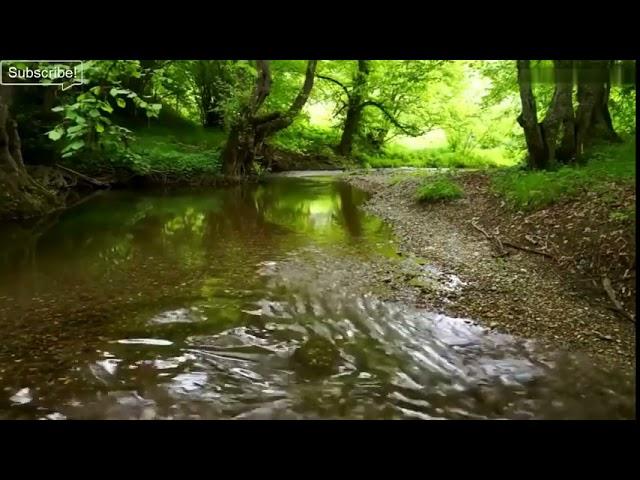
(557, 298)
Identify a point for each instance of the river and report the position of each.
(255, 302)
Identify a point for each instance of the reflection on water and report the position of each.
(253, 302)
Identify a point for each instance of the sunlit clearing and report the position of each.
(320, 113)
(433, 139)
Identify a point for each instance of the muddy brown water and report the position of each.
(191, 305)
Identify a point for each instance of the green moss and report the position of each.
(316, 356)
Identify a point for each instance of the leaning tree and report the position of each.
(248, 134)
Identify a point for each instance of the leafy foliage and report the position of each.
(469, 106)
(87, 116)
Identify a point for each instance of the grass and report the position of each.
(624, 215)
(439, 189)
(527, 190)
(394, 156)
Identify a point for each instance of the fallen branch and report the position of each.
(498, 243)
(90, 180)
(527, 249)
(501, 243)
(617, 306)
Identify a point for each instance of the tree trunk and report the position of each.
(247, 137)
(213, 118)
(354, 110)
(593, 120)
(559, 120)
(239, 151)
(528, 119)
(351, 124)
(20, 195)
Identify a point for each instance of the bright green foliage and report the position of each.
(622, 103)
(394, 156)
(418, 113)
(527, 190)
(87, 113)
(301, 137)
(439, 189)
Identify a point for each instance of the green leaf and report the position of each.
(121, 103)
(99, 128)
(58, 109)
(106, 107)
(118, 91)
(94, 113)
(75, 129)
(77, 145)
(55, 135)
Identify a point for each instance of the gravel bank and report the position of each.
(521, 294)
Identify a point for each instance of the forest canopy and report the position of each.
(240, 118)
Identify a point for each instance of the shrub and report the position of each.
(438, 190)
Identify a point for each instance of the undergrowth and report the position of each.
(438, 189)
(531, 190)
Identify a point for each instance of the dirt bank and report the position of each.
(521, 293)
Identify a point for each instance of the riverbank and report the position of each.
(516, 291)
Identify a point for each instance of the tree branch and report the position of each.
(339, 110)
(346, 90)
(273, 122)
(303, 95)
(263, 85)
(266, 118)
(409, 130)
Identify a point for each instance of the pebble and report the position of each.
(22, 396)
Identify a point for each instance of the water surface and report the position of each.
(192, 305)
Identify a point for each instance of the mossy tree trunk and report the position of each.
(246, 141)
(354, 109)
